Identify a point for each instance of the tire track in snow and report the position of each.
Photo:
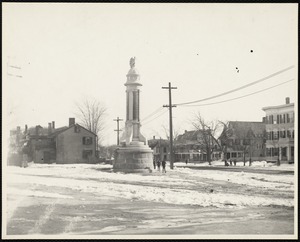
(43, 219)
(71, 225)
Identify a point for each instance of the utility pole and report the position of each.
(118, 130)
(170, 106)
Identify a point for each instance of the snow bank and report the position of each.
(254, 164)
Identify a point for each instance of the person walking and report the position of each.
(154, 163)
(163, 166)
(158, 164)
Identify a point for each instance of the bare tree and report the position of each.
(166, 130)
(209, 131)
(91, 114)
(224, 138)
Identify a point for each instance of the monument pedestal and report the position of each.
(134, 158)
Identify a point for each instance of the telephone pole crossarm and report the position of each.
(118, 130)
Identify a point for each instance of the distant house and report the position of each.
(246, 140)
(280, 132)
(191, 146)
(15, 147)
(161, 148)
(65, 145)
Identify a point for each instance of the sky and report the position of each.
(65, 52)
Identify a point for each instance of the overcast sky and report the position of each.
(70, 51)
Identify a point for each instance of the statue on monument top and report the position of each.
(132, 62)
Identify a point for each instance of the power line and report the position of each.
(155, 117)
(153, 113)
(238, 97)
(242, 87)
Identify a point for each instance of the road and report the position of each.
(85, 212)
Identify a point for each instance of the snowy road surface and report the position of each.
(91, 199)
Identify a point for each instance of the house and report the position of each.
(280, 132)
(243, 140)
(192, 146)
(64, 145)
(15, 147)
(161, 148)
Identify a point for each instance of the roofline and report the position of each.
(279, 106)
(61, 131)
(246, 122)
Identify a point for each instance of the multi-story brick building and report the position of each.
(280, 132)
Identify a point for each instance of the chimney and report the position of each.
(37, 130)
(18, 129)
(153, 136)
(71, 121)
(185, 131)
(53, 125)
(287, 100)
(264, 120)
(49, 128)
(26, 129)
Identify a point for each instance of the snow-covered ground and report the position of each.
(182, 186)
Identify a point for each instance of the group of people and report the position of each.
(230, 162)
(157, 163)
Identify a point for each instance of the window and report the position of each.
(77, 129)
(275, 151)
(292, 118)
(272, 135)
(288, 133)
(271, 119)
(86, 153)
(165, 149)
(237, 142)
(233, 154)
(275, 135)
(87, 140)
(281, 119)
(284, 118)
(287, 118)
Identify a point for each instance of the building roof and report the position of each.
(154, 142)
(63, 129)
(43, 131)
(241, 128)
(189, 137)
(278, 107)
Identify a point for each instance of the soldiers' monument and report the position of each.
(133, 155)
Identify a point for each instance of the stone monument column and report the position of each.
(133, 155)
